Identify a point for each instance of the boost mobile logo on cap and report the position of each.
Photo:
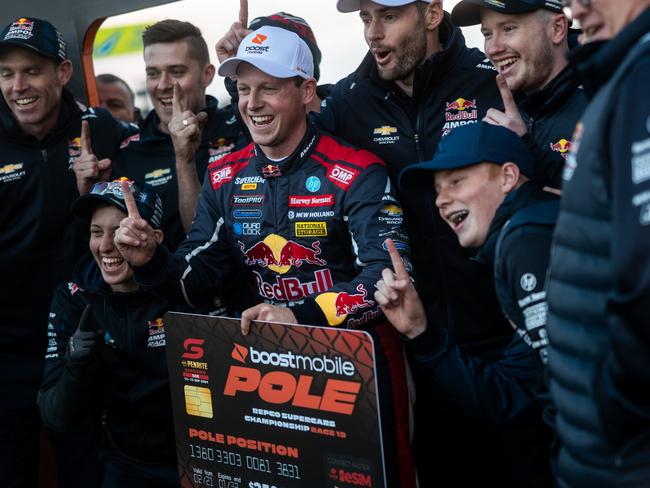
(259, 39)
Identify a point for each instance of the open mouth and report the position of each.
(261, 121)
(506, 64)
(165, 102)
(112, 264)
(457, 218)
(24, 102)
(381, 55)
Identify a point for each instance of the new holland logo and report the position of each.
(384, 134)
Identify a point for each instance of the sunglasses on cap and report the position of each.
(583, 3)
(115, 188)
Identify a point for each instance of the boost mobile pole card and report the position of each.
(284, 407)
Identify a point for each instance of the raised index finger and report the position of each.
(243, 13)
(177, 105)
(398, 264)
(506, 95)
(131, 207)
(84, 140)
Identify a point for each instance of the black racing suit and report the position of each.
(127, 378)
(148, 157)
(509, 392)
(451, 88)
(39, 243)
(308, 233)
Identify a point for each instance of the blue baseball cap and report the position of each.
(35, 34)
(473, 144)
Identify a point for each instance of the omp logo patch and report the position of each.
(342, 176)
(220, 176)
(310, 229)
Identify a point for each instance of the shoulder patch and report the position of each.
(346, 154)
(129, 140)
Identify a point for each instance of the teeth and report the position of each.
(457, 217)
(112, 261)
(505, 62)
(261, 119)
(25, 101)
(166, 100)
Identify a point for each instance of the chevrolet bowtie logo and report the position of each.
(157, 173)
(385, 130)
(10, 168)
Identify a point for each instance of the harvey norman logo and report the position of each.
(289, 360)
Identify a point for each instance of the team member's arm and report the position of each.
(623, 387)
(196, 270)
(186, 131)
(496, 391)
(66, 395)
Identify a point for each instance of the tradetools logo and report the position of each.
(288, 360)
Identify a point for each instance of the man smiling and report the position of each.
(527, 41)
(40, 128)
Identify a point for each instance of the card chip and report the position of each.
(198, 401)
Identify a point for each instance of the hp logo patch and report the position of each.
(312, 184)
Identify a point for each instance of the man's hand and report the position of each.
(87, 168)
(398, 299)
(228, 44)
(266, 313)
(135, 239)
(511, 118)
(185, 128)
(84, 342)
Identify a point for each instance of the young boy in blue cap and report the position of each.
(480, 174)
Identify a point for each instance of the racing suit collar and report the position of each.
(596, 62)
(69, 109)
(522, 197)
(149, 129)
(270, 169)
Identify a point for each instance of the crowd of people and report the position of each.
(483, 215)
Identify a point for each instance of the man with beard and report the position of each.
(527, 42)
(417, 83)
(599, 277)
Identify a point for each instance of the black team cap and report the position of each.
(35, 34)
(468, 12)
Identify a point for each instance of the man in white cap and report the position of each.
(299, 215)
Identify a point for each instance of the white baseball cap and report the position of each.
(354, 5)
(275, 51)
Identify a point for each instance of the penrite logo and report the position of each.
(193, 348)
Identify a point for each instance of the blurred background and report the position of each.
(118, 44)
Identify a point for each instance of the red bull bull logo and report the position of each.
(347, 303)
(563, 146)
(279, 254)
(461, 109)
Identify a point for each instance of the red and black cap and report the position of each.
(468, 12)
(35, 34)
